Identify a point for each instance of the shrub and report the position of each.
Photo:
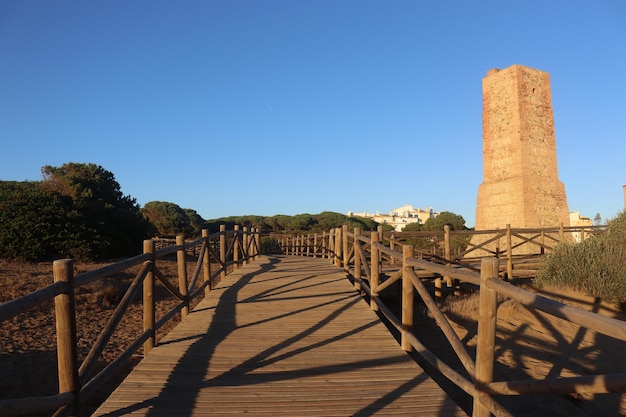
(169, 219)
(596, 266)
(31, 220)
(455, 221)
(106, 222)
(78, 211)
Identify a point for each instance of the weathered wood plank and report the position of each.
(280, 336)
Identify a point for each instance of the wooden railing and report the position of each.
(225, 249)
(457, 247)
(362, 256)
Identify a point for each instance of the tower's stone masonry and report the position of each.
(520, 177)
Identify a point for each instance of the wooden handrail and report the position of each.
(478, 382)
(35, 405)
(75, 384)
(20, 305)
(601, 324)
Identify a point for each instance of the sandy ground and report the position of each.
(532, 344)
(529, 344)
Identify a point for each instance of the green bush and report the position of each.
(168, 218)
(77, 211)
(31, 220)
(596, 266)
(106, 223)
(455, 221)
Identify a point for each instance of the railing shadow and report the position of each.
(201, 351)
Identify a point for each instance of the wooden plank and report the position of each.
(280, 336)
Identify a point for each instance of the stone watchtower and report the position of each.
(520, 178)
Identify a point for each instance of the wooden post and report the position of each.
(357, 260)
(338, 247)
(206, 263)
(438, 285)
(257, 241)
(247, 245)
(181, 258)
(331, 245)
(296, 244)
(148, 299)
(382, 240)
(498, 243)
(393, 258)
(486, 344)
(65, 316)
(438, 279)
(308, 244)
(407, 297)
(315, 245)
(447, 253)
(236, 246)
(252, 246)
(345, 249)
(223, 248)
(509, 253)
(299, 245)
(245, 236)
(375, 271)
(324, 246)
(255, 249)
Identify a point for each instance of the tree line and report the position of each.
(78, 210)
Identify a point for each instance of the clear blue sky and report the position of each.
(287, 107)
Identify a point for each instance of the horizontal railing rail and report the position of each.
(77, 383)
(457, 247)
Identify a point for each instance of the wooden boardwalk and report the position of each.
(283, 336)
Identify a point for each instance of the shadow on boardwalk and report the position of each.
(285, 337)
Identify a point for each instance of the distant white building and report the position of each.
(575, 219)
(399, 217)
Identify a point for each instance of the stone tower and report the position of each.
(520, 178)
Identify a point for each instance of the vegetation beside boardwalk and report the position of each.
(77, 211)
(596, 266)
